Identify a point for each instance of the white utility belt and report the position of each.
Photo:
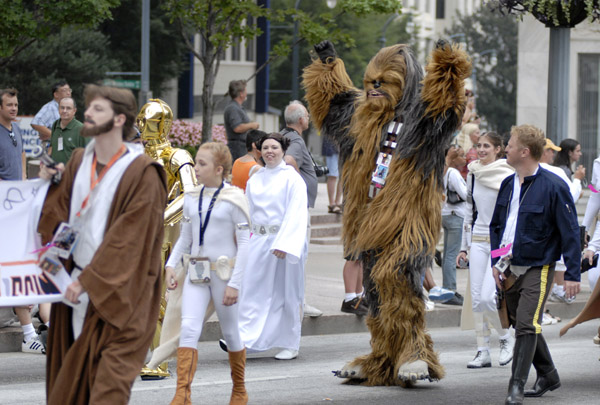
(215, 265)
(258, 229)
(480, 239)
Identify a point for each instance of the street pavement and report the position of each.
(331, 340)
(308, 379)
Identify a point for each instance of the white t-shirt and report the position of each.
(454, 181)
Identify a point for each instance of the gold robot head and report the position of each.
(154, 121)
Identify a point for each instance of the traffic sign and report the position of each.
(123, 83)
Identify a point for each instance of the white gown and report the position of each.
(271, 300)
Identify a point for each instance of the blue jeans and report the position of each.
(452, 225)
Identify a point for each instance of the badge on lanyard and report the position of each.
(199, 270)
(64, 241)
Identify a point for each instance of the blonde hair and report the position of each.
(221, 155)
(469, 128)
(531, 138)
(464, 136)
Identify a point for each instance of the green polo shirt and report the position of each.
(63, 141)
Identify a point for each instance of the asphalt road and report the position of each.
(308, 379)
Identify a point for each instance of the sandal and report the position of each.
(334, 209)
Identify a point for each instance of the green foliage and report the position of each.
(220, 23)
(496, 84)
(25, 21)
(78, 55)
(166, 48)
(360, 42)
(553, 13)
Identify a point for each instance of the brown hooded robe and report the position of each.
(123, 282)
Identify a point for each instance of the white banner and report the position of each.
(31, 137)
(22, 282)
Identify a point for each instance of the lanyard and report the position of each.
(93, 180)
(210, 207)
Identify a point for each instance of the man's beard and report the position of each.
(97, 129)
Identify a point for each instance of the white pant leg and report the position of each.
(483, 286)
(593, 275)
(228, 315)
(194, 301)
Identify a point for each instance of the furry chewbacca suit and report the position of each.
(395, 232)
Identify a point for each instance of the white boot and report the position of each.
(482, 359)
(506, 350)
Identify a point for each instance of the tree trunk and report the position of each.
(207, 103)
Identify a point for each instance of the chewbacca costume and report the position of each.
(392, 133)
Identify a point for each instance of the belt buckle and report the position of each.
(262, 230)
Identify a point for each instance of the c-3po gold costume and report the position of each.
(154, 122)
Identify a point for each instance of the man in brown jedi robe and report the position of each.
(114, 197)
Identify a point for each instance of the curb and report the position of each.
(443, 316)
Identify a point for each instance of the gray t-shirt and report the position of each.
(233, 116)
(11, 165)
(299, 152)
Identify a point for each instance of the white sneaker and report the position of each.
(33, 345)
(287, 354)
(440, 294)
(429, 305)
(506, 350)
(312, 311)
(554, 297)
(548, 319)
(482, 359)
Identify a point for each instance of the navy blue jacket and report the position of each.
(546, 225)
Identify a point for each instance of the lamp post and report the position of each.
(385, 27)
(295, 56)
(145, 62)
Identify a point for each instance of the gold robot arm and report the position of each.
(181, 164)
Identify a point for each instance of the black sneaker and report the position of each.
(456, 300)
(438, 258)
(354, 307)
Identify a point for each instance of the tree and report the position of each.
(552, 13)
(496, 84)
(78, 55)
(220, 23)
(365, 34)
(124, 33)
(25, 21)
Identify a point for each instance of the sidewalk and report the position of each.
(325, 291)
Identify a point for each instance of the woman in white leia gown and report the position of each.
(270, 308)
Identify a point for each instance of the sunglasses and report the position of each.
(12, 137)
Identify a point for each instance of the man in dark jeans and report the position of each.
(534, 222)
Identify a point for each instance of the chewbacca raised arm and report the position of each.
(392, 137)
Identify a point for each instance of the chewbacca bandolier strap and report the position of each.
(384, 158)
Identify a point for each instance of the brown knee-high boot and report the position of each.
(237, 362)
(187, 360)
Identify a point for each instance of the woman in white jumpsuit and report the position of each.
(483, 182)
(273, 287)
(215, 227)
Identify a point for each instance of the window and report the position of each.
(440, 8)
(588, 104)
(235, 49)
